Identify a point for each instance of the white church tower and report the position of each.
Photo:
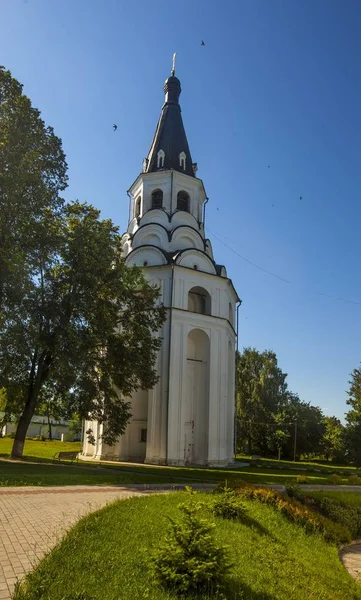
(188, 417)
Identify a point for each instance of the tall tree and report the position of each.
(333, 439)
(86, 326)
(261, 396)
(33, 172)
(353, 418)
(309, 426)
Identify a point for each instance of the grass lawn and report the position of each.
(16, 474)
(43, 452)
(301, 465)
(107, 556)
(53, 474)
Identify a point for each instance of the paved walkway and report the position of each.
(33, 519)
(351, 558)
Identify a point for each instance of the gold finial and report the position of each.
(173, 64)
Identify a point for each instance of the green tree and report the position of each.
(310, 427)
(33, 172)
(353, 418)
(261, 397)
(51, 405)
(333, 439)
(86, 326)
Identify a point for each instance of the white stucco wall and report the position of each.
(194, 397)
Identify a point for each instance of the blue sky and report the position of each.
(271, 106)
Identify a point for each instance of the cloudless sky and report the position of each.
(272, 110)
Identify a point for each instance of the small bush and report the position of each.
(228, 505)
(233, 484)
(354, 480)
(293, 490)
(335, 479)
(296, 512)
(189, 559)
(343, 513)
(10, 435)
(302, 479)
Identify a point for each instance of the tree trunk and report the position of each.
(49, 426)
(25, 419)
(23, 424)
(250, 446)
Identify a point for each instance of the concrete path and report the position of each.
(351, 558)
(33, 519)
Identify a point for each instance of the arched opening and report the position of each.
(137, 207)
(182, 161)
(199, 301)
(196, 398)
(183, 201)
(160, 159)
(157, 199)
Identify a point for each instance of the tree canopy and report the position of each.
(353, 417)
(269, 415)
(76, 325)
(33, 172)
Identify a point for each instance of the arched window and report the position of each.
(182, 161)
(199, 301)
(160, 159)
(157, 199)
(137, 207)
(183, 201)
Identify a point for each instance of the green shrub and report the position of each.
(228, 505)
(232, 484)
(293, 490)
(189, 559)
(338, 511)
(296, 512)
(354, 480)
(10, 435)
(302, 479)
(335, 479)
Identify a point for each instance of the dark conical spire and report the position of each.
(169, 149)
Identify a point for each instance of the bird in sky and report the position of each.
(202, 43)
(301, 197)
(115, 127)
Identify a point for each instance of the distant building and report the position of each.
(39, 426)
(188, 417)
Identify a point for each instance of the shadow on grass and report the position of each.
(237, 591)
(233, 590)
(257, 527)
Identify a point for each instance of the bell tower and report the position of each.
(188, 417)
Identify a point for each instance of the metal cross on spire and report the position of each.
(173, 63)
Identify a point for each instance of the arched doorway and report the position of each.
(196, 400)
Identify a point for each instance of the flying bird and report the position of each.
(301, 197)
(202, 43)
(115, 127)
